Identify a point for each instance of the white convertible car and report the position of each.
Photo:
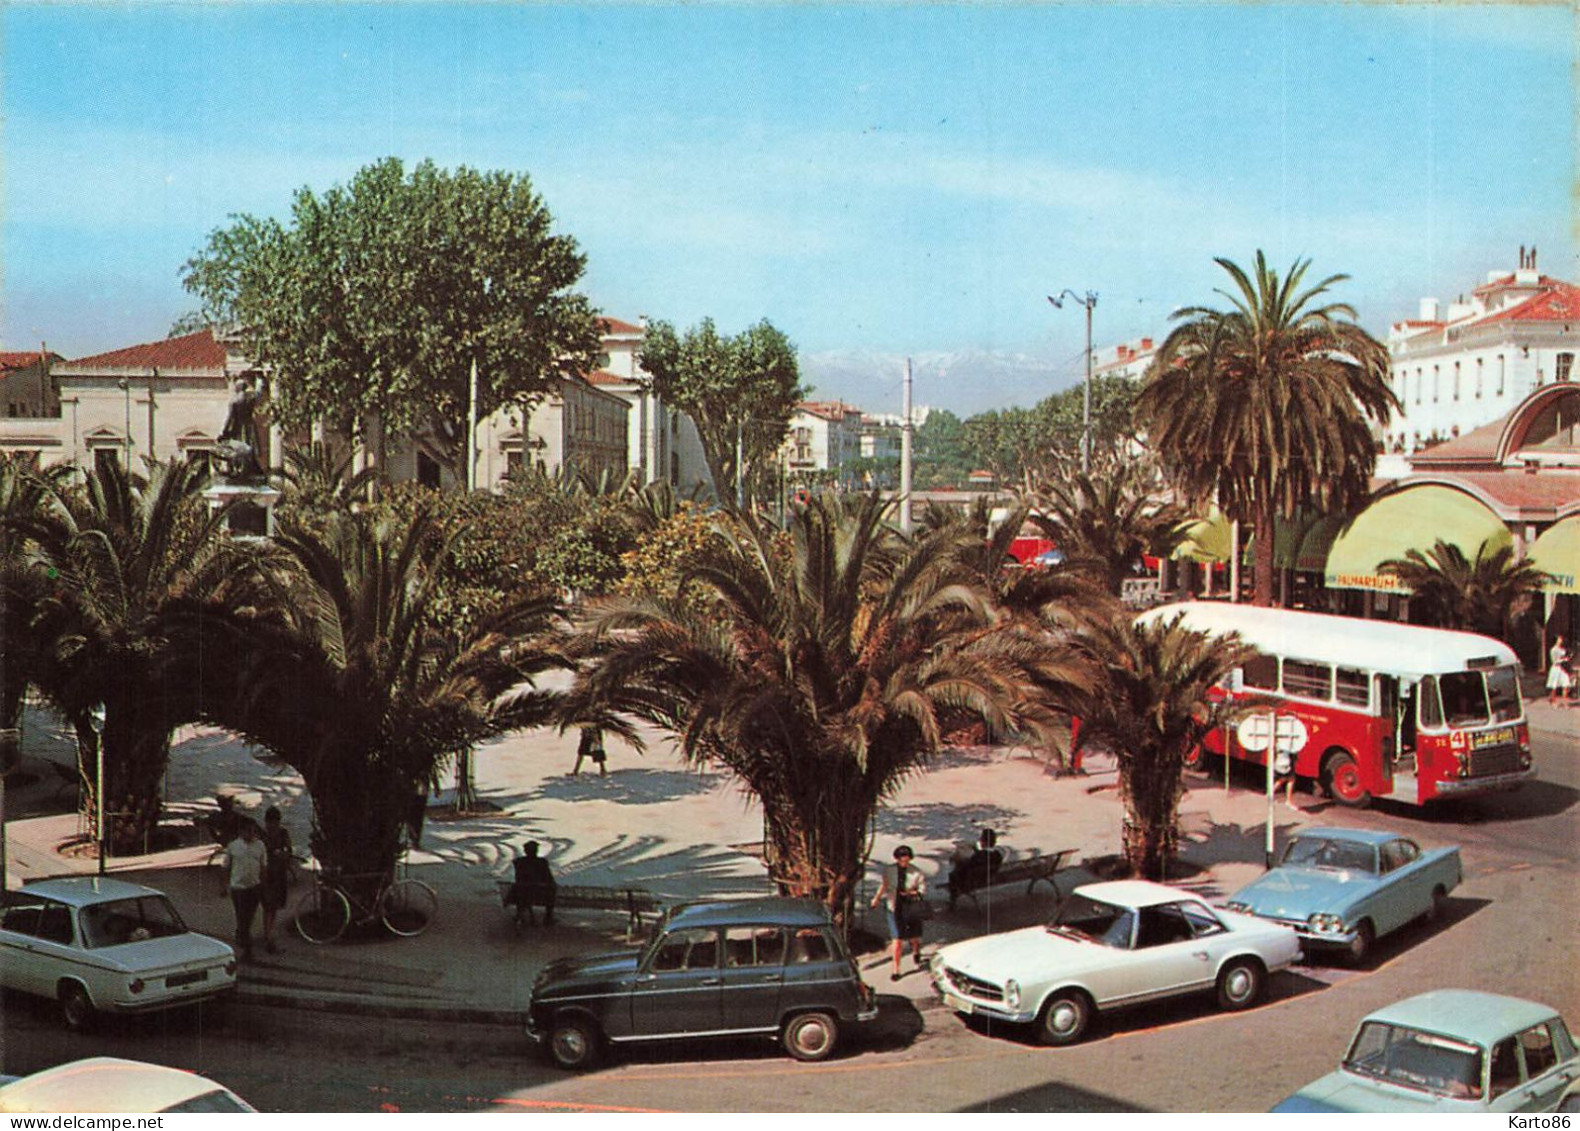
(1112, 944)
(96, 944)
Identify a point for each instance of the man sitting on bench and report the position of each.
(976, 871)
(534, 886)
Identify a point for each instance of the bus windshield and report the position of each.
(1479, 698)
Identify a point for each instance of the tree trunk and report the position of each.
(816, 846)
(1266, 519)
(361, 811)
(135, 752)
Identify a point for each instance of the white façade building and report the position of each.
(1456, 370)
(662, 442)
(1127, 359)
(823, 436)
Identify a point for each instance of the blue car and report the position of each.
(1450, 1051)
(1343, 889)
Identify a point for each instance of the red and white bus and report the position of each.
(1385, 709)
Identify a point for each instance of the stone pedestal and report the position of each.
(251, 505)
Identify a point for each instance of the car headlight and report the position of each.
(1012, 994)
(1326, 924)
(936, 963)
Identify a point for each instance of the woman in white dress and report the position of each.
(1559, 681)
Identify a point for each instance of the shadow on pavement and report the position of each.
(1050, 1097)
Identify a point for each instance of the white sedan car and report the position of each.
(1112, 944)
(109, 1084)
(96, 944)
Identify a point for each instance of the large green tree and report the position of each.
(376, 297)
(1268, 406)
(819, 666)
(739, 390)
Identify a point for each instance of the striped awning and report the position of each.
(1556, 551)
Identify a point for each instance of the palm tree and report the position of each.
(321, 477)
(1450, 591)
(121, 552)
(344, 671)
(819, 666)
(24, 583)
(1106, 518)
(1150, 704)
(1269, 406)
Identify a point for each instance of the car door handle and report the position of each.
(1201, 954)
(711, 982)
(773, 977)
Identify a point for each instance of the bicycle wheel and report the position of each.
(407, 907)
(323, 916)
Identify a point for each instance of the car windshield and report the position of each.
(1105, 923)
(1325, 852)
(132, 920)
(1413, 1058)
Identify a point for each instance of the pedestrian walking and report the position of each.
(903, 894)
(278, 856)
(244, 859)
(1559, 681)
(590, 746)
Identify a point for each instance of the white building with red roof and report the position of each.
(1457, 370)
(823, 436)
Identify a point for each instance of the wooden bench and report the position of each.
(635, 902)
(1034, 868)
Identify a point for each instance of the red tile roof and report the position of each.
(829, 410)
(1507, 280)
(21, 359)
(190, 351)
(615, 326)
(1559, 304)
(604, 377)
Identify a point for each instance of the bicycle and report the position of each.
(405, 906)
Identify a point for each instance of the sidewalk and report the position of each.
(651, 823)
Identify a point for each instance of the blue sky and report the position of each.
(876, 180)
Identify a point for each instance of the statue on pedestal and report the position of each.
(238, 440)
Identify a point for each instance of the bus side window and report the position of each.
(1352, 686)
(1430, 710)
(1261, 672)
(1308, 680)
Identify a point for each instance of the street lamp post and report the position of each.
(1088, 300)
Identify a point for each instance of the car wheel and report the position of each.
(1438, 908)
(1343, 780)
(1240, 983)
(811, 1036)
(1361, 945)
(1064, 1017)
(1195, 758)
(76, 1007)
(574, 1043)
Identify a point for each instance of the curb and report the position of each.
(362, 1006)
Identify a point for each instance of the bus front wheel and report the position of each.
(1342, 777)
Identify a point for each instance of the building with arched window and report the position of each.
(1457, 371)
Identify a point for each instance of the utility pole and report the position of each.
(905, 455)
(1088, 300)
(471, 430)
(740, 478)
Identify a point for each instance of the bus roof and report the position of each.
(1374, 645)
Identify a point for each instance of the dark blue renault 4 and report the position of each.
(754, 967)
